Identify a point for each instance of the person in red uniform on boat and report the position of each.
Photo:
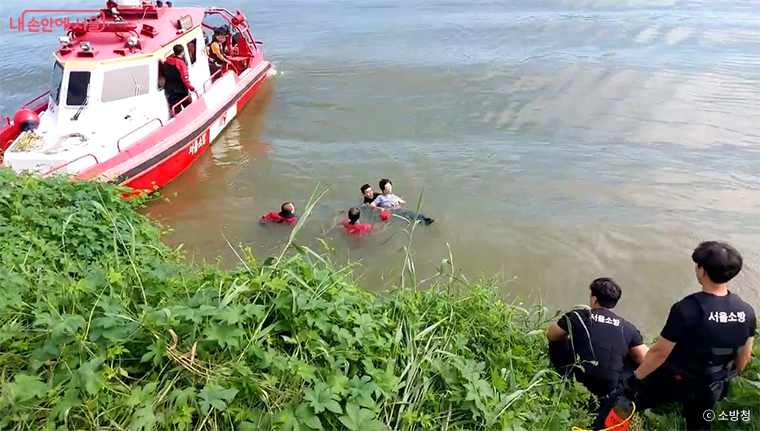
(352, 225)
(287, 215)
(177, 86)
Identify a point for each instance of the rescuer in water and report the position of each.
(177, 86)
(354, 228)
(607, 344)
(369, 197)
(369, 194)
(287, 215)
(706, 340)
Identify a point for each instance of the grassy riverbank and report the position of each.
(102, 326)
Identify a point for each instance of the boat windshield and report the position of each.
(79, 83)
(55, 86)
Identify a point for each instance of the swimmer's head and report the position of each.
(367, 191)
(386, 186)
(353, 215)
(288, 208)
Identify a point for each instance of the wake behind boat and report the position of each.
(107, 116)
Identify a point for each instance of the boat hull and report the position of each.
(163, 155)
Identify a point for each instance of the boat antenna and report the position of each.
(137, 85)
(81, 107)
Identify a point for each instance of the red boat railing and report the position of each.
(26, 105)
(211, 79)
(5, 120)
(242, 27)
(70, 162)
(189, 96)
(118, 142)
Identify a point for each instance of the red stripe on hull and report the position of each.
(171, 167)
(247, 96)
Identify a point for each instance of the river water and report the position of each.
(553, 141)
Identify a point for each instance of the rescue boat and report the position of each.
(106, 115)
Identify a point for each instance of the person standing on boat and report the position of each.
(217, 52)
(177, 86)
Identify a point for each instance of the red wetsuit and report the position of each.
(275, 217)
(356, 229)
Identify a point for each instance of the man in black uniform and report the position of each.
(609, 346)
(708, 337)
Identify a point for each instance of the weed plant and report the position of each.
(104, 327)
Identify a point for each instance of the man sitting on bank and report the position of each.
(706, 341)
(607, 344)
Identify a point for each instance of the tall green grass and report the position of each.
(103, 326)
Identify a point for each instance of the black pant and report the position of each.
(665, 387)
(175, 98)
(411, 215)
(562, 358)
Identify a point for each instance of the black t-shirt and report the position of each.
(372, 199)
(602, 340)
(610, 325)
(726, 322)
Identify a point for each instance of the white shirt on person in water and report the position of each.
(387, 201)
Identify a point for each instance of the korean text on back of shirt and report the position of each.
(606, 320)
(723, 317)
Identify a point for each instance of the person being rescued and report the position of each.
(392, 203)
(177, 86)
(287, 215)
(218, 52)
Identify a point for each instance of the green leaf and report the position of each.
(69, 400)
(224, 335)
(230, 315)
(307, 417)
(155, 352)
(142, 395)
(180, 397)
(25, 387)
(217, 397)
(321, 398)
(362, 389)
(88, 372)
(338, 384)
(360, 419)
(143, 419)
(320, 321)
